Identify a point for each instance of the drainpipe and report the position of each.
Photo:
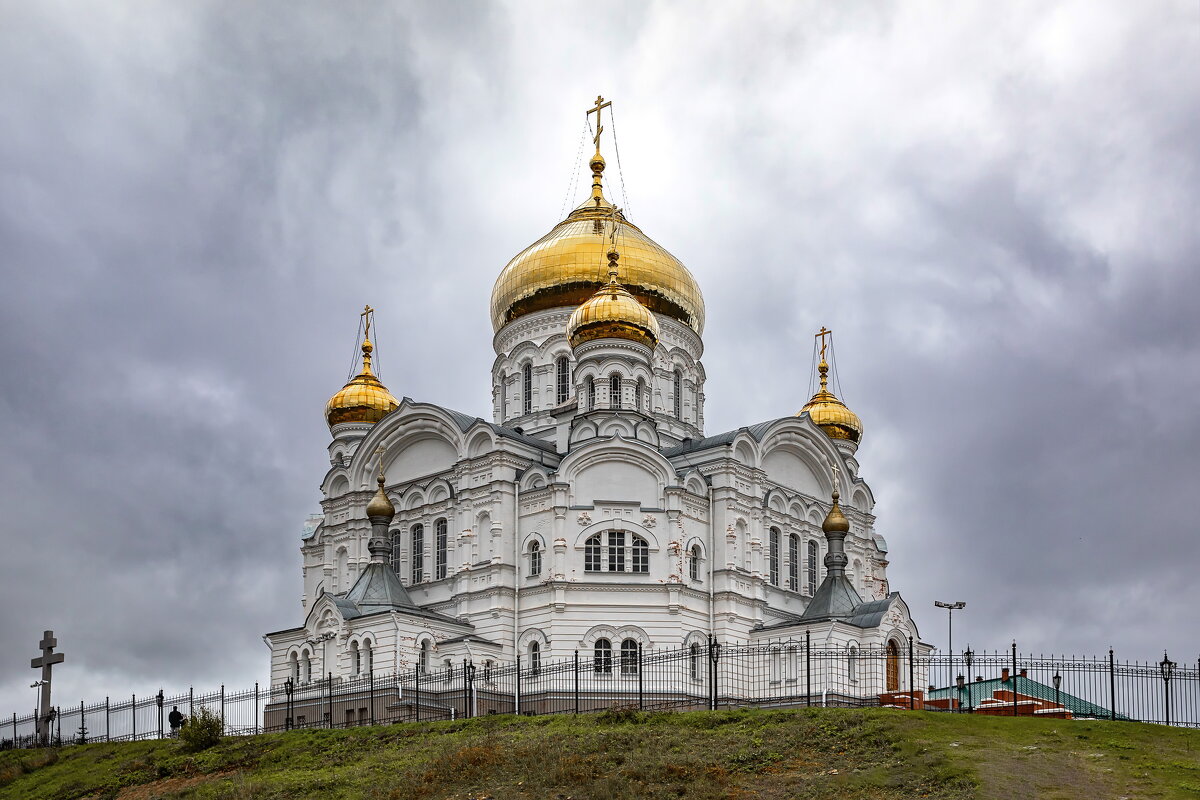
(516, 563)
(712, 556)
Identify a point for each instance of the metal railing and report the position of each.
(777, 674)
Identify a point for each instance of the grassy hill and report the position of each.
(811, 753)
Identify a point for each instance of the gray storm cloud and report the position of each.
(993, 207)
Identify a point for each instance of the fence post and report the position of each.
(517, 689)
(158, 698)
(133, 716)
(15, 729)
(371, 691)
(1112, 686)
(83, 725)
(1014, 676)
(417, 691)
(808, 667)
(191, 702)
(256, 708)
(912, 689)
(576, 681)
(107, 729)
(641, 697)
(329, 698)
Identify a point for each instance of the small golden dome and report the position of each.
(566, 267)
(612, 313)
(830, 414)
(363, 399)
(380, 506)
(835, 520)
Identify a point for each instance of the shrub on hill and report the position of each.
(202, 731)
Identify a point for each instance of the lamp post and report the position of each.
(1057, 683)
(289, 686)
(950, 609)
(969, 659)
(714, 655)
(961, 683)
(1166, 668)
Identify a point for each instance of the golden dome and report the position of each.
(612, 313)
(380, 506)
(363, 399)
(830, 414)
(835, 520)
(566, 267)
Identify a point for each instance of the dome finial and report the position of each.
(825, 409)
(597, 162)
(363, 398)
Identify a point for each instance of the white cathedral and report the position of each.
(592, 513)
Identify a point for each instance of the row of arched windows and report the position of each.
(793, 563)
(416, 534)
(562, 390)
(362, 661)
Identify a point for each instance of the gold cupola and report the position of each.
(364, 398)
(566, 266)
(828, 412)
(612, 313)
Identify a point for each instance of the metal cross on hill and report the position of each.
(46, 661)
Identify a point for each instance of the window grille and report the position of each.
(812, 568)
(694, 563)
(638, 389)
(418, 553)
(641, 555)
(590, 385)
(773, 557)
(616, 551)
(602, 657)
(591, 554)
(439, 528)
(535, 559)
(678, 394)
(397, 551)
(614, 391)
(564, 380)
(535, 657)
(629, 657)
(793, 562)
(527, 388)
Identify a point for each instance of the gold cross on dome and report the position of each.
(379, 452)
(366, 315)
(601, 104)
(823, 333)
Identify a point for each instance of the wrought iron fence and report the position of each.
(773, 674)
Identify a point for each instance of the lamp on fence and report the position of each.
(1057, 684)
(289, 686)
(969, 659)
(961, 682)
(1166, 668)
(158, 698)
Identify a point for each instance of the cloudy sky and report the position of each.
(994, 206)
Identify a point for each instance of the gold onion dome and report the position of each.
(566, 267)
(380, 505)
(612, 313)
(363, 399)
(830, 414)
(835, 520)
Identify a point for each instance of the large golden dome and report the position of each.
(363, 399)
(567, 265)
(612, 313)
(829, 413)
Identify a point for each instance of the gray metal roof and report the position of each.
(377, 589)
(692, 445)
(835, 599)
(465, 422)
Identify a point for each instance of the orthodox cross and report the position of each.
(46, 661)
(379, 453)
(837, 482)
(601, 104)
(821, 335)
(366, 315)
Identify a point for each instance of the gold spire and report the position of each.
(363, 398)
(828, 412)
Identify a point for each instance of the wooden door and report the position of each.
(893, 667)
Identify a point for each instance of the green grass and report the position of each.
(811, 753)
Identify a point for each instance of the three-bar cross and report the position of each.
(46, 661)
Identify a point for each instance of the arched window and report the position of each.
(776, 665)
(503, 397)
(591, 554)
(694, 562)
(629, 657)
(341, 574)
(773, 557)
(426, 650)
(614, 391)
(639, 391)
(641, 555)
(418, 553)
(535, 657)
(355, 658)
(397, 550)
(440, 554)
(678, 391)
(369, 656)
(527, 388)
(852, 663)
(535, 559)
(563, 372)
(616, 551)
(294, 667)
(589, 386)
(793, 562)
(602, 657)
(811, 572)
(306, 666)
(694, 661)
(793, 662)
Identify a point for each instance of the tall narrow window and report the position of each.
(641, 554)
(694, 563)
(602, 657)
(773, 557)
(535, 559)
(418, 553)
(852, 663)
(616, 551)
(535, 657)
(563, 367)
(639, 390)
(793, 562)
(527, 388)
(629, 657)
(694, 661)
(426, 649)
(614, 391)
(355, 658)
(811, 575)
(503, 397)
(441, 553)
(589, 386)
(397, 551)
(369, 656)
(591, 554)
(294, 661)
(678, 390)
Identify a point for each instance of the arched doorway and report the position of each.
(893, 666)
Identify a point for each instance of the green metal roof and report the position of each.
(973, 693)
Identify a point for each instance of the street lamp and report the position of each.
(969, 659)
(950, 609)
(1057, 683)
(289, 686)
(961, 683)
(1166, 668)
